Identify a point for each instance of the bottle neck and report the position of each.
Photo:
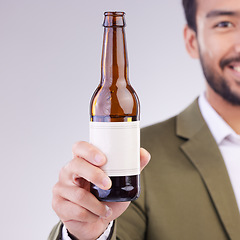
(114, 56)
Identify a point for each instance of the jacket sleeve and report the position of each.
(56, 233)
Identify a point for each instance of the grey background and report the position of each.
(50, 54)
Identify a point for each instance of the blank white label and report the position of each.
(120, 142)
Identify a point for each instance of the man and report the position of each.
(191, 187)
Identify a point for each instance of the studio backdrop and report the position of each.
(50, 57)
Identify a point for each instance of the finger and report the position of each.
(144, 158)
(81, 168)
(84, 199)
(89, 152)
(69, 211)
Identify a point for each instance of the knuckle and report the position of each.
(54, 189)
(56, 204)
(65, 170)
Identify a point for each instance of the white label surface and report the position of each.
(120, 142)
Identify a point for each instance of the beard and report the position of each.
(218, 83)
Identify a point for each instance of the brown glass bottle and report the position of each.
(115, 102)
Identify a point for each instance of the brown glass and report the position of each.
(115, 100)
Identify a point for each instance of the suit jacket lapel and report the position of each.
(203, 151)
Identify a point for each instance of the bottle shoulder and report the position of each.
(115, 94)
(115, 100)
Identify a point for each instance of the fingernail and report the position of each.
(106, 182)
(109, 211)
(98, 158)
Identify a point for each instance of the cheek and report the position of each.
(210, 49)
(206, 48)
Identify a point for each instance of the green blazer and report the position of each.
(186, 193)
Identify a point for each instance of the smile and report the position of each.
(233, 70)
(236, 68)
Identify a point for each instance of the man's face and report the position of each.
(218, 38)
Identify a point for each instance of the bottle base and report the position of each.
(124, 189)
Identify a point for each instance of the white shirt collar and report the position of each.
(218, 127)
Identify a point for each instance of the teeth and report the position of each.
(237, 68)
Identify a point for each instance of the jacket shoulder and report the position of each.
(159, 134)
(159, 127)
(164, 145)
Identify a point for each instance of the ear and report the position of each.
(191, 43)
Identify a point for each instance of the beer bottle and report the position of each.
(114, 116)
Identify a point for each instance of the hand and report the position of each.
(82, 213)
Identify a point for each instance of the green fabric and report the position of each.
(185, 189)
(56, 233)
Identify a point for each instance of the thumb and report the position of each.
(144, 158)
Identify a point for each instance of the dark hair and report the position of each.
(190, 9)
